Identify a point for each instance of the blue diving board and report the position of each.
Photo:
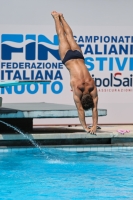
(42, 110)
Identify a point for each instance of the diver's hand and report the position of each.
(91, 130)
(87, 129)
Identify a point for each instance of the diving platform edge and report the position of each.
(22, 114)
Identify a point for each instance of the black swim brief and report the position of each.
(72, 55)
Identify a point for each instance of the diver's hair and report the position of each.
(87, 101)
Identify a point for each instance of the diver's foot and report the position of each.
(61, 15)
(55, 14)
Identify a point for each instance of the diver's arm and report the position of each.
(94, 95)
(95, 112)
(81, 112)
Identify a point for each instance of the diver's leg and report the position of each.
(69, 34)
(63, 43)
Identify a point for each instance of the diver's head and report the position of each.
(87, 101)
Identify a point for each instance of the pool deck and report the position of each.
(21, 115)
(65, 136)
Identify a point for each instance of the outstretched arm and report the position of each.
(95, 114)
(81, 112)
(94, 111)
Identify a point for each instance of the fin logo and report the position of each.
(34, 47)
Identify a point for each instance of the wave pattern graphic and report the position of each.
(18, 45)
(45, 46)
(43, 38)
(43, 52)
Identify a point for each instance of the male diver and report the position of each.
(83, 86)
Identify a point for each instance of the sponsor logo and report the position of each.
(114, 83)
(115, 80)
(32, 46)
(35, 51)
